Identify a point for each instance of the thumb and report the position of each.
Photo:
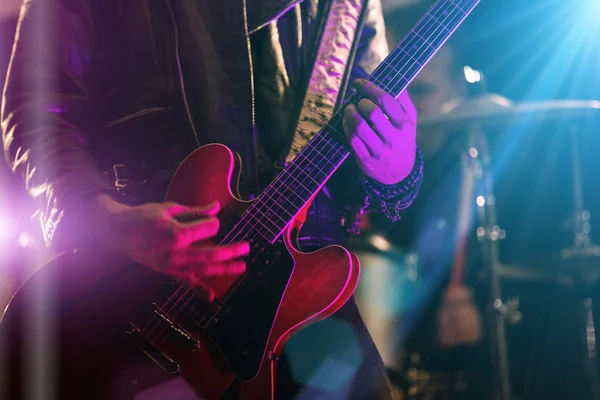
(210, 210)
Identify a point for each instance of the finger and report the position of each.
(408, 106)
(358, 147)
(201, 270)
(186, 212)
(230, 268)
(209, 210)
(378, 121)
(388, 104)
(173, 209)
(196, 256)
(204, 291)
(355, 125)
(190, 232)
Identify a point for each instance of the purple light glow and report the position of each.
(24, 239)
(5, 228)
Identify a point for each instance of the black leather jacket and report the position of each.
(105, 93)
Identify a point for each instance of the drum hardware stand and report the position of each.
(583, 249)
(488, 234)
(582, 243)
(509, 309)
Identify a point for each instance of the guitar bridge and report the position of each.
(152, 351)
(186, 338)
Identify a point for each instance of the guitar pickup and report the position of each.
(203, 315)
(185, 337)
(152, 351)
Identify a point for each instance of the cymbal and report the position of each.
(525, 273)
(492, 110)
(569, 267)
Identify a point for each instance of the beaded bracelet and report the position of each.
(399, 196)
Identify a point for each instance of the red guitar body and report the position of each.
(93, 310)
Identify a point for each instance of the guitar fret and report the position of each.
(271, 209)
(285, 194)
(299, 182)
(288, 185)
(285, 190)
(335, 129)
(275, 198)
(259, 221)
(425, 41)
(420, 45)
(389, 67)
(411, 57)
(306, 174)
(278, 190)
(324, 158)
(440, 23)
(269, 212)
(458, 6)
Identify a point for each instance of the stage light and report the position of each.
(380, 243)
(24, 239)
(480, 201)
(4, 228)
(471, 75)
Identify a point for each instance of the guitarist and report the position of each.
(103, 100)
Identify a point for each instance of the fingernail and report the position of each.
(358, 82)
(206, 209)
(246, 247)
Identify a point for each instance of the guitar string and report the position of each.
(252, 234)
(262, 242)
(391, 70)
(420, 64)
(394, 58)
(416, 31)
(258, 255)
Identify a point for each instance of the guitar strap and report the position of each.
(330, 72)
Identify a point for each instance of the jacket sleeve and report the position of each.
(45, 96)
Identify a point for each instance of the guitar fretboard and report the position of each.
(295, 186)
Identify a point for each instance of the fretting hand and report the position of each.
(382, 132)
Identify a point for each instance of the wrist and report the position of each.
(392, 178)
(383, 192)
(103, 205)
(392, 199)
(105, 212)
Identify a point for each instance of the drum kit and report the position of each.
(534, 195)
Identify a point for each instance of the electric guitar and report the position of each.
(117, 330)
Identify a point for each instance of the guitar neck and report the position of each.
(298, 183)
(416, 49)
